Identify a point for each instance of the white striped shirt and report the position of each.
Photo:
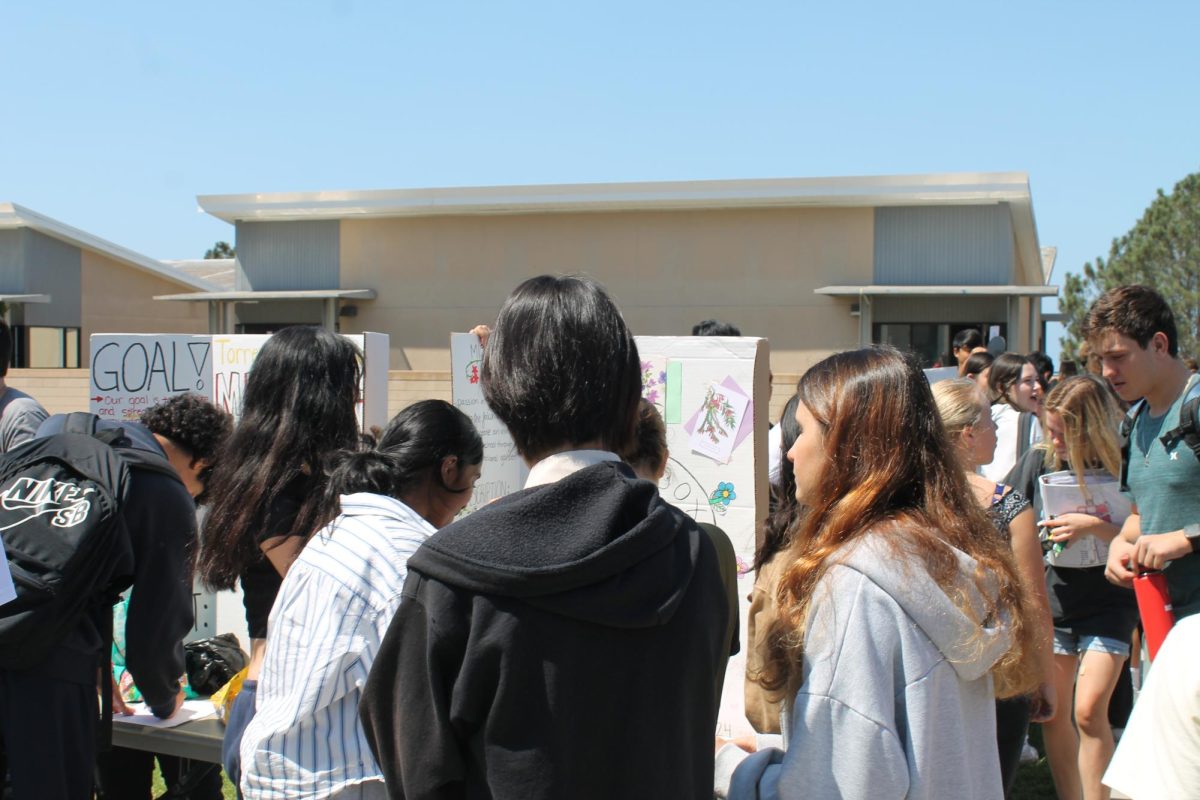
(328, 620)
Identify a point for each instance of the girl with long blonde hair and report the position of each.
(901, 613)
(1093, 619)
(966, 416)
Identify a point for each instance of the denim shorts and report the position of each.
(1067, 643)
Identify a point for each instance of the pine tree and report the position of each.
(1162, 251)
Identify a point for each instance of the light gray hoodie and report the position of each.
(896, 699)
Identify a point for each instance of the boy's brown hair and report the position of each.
(1135, 311)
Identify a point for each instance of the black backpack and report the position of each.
(64, 534)
(1188, 430)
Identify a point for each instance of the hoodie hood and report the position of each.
(969, 641)
(599, 546)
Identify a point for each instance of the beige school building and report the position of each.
(815, 265)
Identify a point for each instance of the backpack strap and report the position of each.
(81, 422)
(88, 425)
(1126, 435)
(1187, 430)
(151, 462)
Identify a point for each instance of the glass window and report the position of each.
(71, 351)
(929, 340)
(44, 347)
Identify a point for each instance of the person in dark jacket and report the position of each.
(190, 430)
(49, 714)
(565, 640)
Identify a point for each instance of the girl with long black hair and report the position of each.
(1016, 406)
(268, 482)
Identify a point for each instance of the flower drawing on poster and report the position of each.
(722, 497)
(718, 421)
(472, 371)
(654, 383)
(724, 494)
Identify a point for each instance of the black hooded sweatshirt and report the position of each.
(160, 517)
(563, 642)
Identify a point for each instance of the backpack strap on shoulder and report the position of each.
(1189, 425)
(1126, 434)
(81, 422)
(86, 424)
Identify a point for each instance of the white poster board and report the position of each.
(717, 467)
(1102, 498)
(233, 355)
(503, 471)
(131, 372)
(939, 374)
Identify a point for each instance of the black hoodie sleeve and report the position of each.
(406, 703)
(161, 518)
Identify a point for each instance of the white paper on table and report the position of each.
(190, 711)
(718, 423)
(7, 590)
(1062, 494)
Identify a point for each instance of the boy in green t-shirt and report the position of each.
(1133, 331)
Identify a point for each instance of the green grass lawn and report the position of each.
(1033, 780)
(159, 787)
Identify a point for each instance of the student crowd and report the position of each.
(570, 640)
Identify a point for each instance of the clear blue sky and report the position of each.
(117, 116)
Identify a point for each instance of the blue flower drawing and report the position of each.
(724, 495)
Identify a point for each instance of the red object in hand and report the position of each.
(1154, 605)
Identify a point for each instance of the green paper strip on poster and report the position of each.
(673, 404)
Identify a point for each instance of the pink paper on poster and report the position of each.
(744, 429)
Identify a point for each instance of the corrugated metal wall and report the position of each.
(281, 256)
(53, 268)
(932, 246)
(12, 261)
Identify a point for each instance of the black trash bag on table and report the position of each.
(212, 662)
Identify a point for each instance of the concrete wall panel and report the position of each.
(666, 270)
(117, 299)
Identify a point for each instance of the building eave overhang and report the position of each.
(876, 290)
(268, 296)
(25, 298)
(896, 190)
(1010, 189)
(15, 216)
